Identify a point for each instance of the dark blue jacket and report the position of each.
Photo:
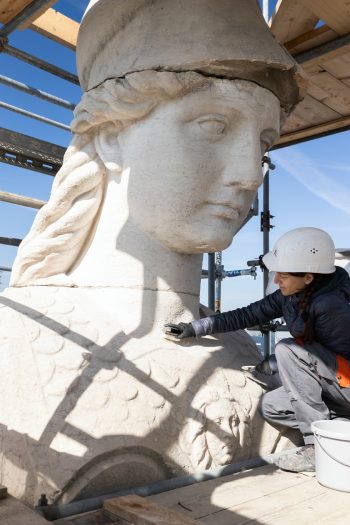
(329, 312)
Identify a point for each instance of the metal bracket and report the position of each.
(3, 42)
(267, 160)
(27, 152)
(265, 224)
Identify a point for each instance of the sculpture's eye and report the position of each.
(213, 125)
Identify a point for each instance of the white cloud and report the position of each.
(314, 178)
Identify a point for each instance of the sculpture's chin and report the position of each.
(202, 240)
(204, 245)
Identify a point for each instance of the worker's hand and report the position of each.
(180, 331)
(267, 366)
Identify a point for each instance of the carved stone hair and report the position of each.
(63, 227)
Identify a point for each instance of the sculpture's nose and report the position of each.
(243, 163)
(225, 427)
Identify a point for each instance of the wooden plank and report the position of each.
(311, 131)
(311, 67)
(203, 499)
(139, 511)
(37, 14)
(260, 509)
(10, 8)
(330, 91)
(335, 13)
(291, 19)
(314, 112)
(262, 496)
(57, 27)
(338, 66)
(97, 517)
(13, 512)
(293, 123)
(329, 508)
(310, 39)
(319, 63)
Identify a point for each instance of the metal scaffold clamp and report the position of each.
(3, 42)
(266, 160)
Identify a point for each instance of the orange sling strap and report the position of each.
(343, 371)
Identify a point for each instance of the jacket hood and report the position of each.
(339, 279)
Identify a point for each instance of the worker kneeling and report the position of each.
(314, 364)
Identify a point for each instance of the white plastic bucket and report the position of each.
(332, 453)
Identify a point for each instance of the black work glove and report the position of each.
(181, 330)
(267, 366)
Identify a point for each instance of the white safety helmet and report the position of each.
(302, 250)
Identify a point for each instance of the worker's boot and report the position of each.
(303, 460)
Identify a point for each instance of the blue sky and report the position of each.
(309, 187)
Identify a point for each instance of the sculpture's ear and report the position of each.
(108, 148)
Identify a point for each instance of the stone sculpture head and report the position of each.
(184, 147)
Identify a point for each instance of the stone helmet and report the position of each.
(224, 38)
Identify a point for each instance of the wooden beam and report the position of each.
(37, 14)
(310, 39)
(335, 13)
(330, 91)
(291, 19)
(293, 123)
(314, 112)
(338, 66)
(57, 27)
(314, 131)
(10, 8)
(319, 61)
(139, 511)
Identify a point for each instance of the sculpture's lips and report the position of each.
(224, 209)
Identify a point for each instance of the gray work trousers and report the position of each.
(309, 390)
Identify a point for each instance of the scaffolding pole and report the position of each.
(211, 281)
(218, 278)
(36, 92)
(8, 241)
(35, 116)
(265, 216)
(13, 198)
(37, 62)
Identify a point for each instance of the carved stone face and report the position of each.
(221, 430)
(195, 164)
